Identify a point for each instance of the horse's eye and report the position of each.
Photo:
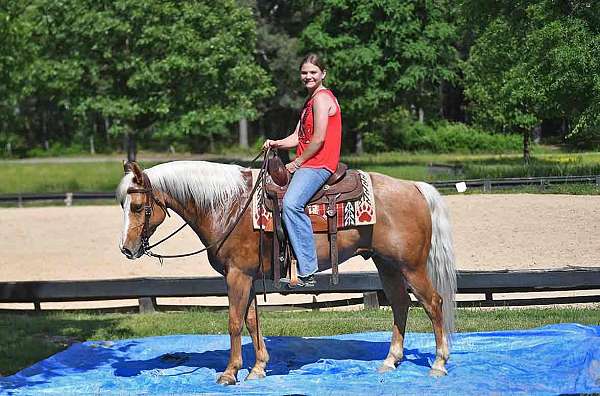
(137, 208)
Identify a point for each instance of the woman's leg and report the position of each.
(305, 183)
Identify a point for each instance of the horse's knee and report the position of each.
(235, 326)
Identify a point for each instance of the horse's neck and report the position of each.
(205, 223)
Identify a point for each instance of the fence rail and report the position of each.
(488, 184)
(485, 283)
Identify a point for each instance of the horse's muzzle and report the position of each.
(129, 254)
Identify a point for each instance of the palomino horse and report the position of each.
(410, 244)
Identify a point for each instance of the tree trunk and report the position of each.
(537, 133)
(131, 147)
(441, 99)
(211, 143)
(359, 143)
(45, 131)
(526, 139)
(107, 129)
(243, 132)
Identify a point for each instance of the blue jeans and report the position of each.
(305, 183)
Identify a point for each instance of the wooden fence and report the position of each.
(480, 286)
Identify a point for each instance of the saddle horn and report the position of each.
(277, 170)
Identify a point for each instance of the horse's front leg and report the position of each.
(260, 350)
(238, 291)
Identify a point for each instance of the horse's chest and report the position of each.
(218, 266)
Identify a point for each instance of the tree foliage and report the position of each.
(385, 54)
(534, 61)
(171, 72)
(163, 68)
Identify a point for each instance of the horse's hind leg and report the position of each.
(395, 290)
(432, 302)
(260, 350)
(238, 292)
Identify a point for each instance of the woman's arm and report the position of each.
(286, 143)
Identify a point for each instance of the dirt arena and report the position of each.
(491, 232)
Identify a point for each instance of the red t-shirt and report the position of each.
(329, 154)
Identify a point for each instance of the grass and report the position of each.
(60, 177)
(103, 176)
(26, 339)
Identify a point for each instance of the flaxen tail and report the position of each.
(440, 263)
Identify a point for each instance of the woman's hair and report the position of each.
(313, 59)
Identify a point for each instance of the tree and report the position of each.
(280, 23)
(532, 61)
(166, 69)
(15, 55)
(384, 55)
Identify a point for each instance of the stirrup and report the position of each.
(308, 281)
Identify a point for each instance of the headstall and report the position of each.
(149, 194)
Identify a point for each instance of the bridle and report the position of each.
(150, 197)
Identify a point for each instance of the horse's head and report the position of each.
(143, 210)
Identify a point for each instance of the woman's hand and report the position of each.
(269, 144)
(294, 165)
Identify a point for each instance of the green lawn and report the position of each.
(26, 339)
(103, 176)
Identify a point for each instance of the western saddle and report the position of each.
(342, 186)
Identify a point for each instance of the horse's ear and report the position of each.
(138, 178)
(126, 167)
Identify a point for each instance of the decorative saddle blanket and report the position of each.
(349, 214)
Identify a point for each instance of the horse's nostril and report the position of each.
(126, 252)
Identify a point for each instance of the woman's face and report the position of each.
(311, 76)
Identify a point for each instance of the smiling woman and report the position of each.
(318, 137)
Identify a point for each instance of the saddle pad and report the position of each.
(349, 214)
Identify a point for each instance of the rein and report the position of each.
(147, 190)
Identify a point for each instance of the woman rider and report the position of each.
(318, 138)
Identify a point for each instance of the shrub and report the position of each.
(456, 137)
(440, 138)
(56, 150)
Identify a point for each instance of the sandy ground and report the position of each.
(491, 232)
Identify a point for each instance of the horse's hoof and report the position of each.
(255, 375)
(437, 372)
(226, 379)
(384, 368)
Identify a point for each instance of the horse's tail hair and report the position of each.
(440, 262)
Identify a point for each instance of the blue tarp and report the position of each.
(554, 359)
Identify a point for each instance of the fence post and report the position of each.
(487, 186)
(147, 305)
(542, 184)
(370, 300)
(315, 303)
(597, 180)
(69, 199)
